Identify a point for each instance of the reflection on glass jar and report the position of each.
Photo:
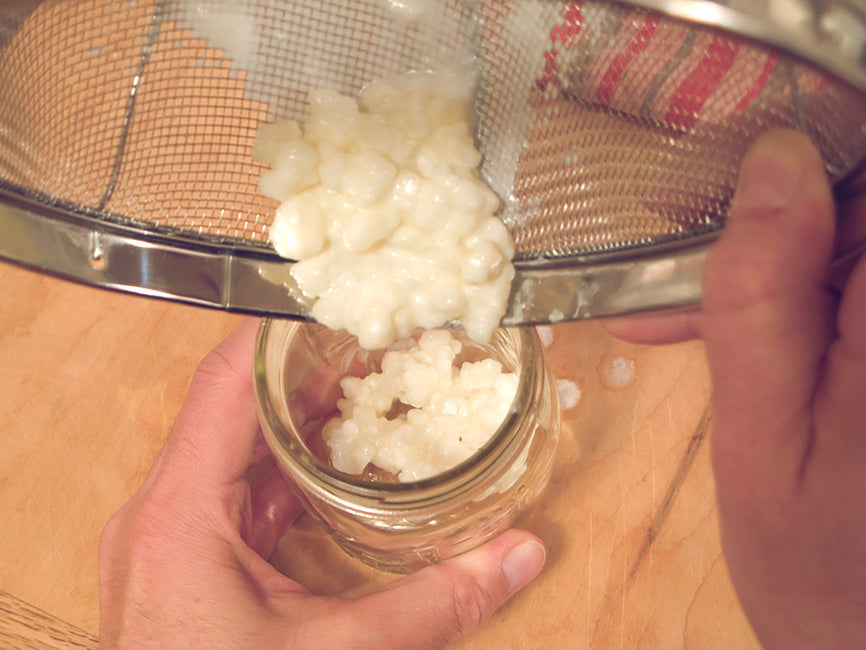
(390, 525)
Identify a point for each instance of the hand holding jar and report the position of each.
(785, 335)
(184, 562)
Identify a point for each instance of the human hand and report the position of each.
(184, 562)
(786, 347)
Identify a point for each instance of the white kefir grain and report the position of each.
(421, 415)
(383, 208)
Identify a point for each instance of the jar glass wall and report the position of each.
(396, 526)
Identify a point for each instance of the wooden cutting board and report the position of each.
(92, 381)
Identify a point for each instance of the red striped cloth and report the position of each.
(663, 69)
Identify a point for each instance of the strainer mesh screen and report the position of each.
(603, 127)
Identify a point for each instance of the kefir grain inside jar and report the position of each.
(422, 414)
(392, 524)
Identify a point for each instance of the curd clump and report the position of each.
(384, 210)
(421, 415)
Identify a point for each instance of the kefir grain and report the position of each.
(421, 415)
(384, 210)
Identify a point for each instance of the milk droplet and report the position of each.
(569, 393)
(617, 372)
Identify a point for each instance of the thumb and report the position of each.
(444, 602)
(767, 311)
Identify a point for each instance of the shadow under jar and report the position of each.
(402, 526)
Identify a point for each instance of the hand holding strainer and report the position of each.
(612, 132)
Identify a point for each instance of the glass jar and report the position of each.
(394, 526)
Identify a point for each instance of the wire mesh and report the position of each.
(606, 129)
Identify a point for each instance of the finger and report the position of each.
(216, 432)
(443, 602)
(767, 309)
(851, 232)
(274, 509)
(850, 240)
(841, 397)
(852, 316)
(656, 328)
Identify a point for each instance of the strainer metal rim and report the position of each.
(232, 277)
(61, 243)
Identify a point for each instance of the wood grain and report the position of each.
(91, 383)
(93, 380)
(24, 627)
(629, 520)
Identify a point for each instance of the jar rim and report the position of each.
(299, 456)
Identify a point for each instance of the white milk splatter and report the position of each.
(569, 393)
(228, 27)
(617, 372)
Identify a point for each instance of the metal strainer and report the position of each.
(612, 131)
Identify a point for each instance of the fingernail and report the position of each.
(769, 179)
(523, 563)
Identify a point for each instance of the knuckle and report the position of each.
(110, 536)
(129, 537)
(213, 366)
(470, 602)
(215, 372)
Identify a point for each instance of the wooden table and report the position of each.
(92, 381)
